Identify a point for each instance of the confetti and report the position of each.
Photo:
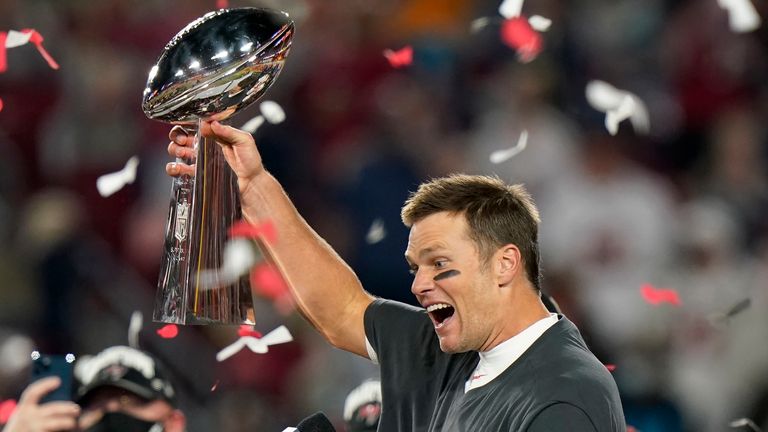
(7, 407)
(279, 335)
(239, 256)
(222, 4)
(108, 184)
(265, 230)
(1, 104)
(610, 367)
(500, 156)
(13, 39)
(272, 112)
(215, 386)
(400, 58)
(376, 232)
(539, 23)
(518, 34)
(511, 8)
(656, 296)
(134, 327)
(718, 319)
(168, 331)
(267, 281)
(631, 429)
(248, 330)
(618, 105)
(478, 24)
(742, 16)
(251, 125)
(745, 422)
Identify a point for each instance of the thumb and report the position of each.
(228, 135)
(35, 391)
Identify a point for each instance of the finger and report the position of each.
(38, 389)
(59, 408)
(228, 135)
(175, 169)
(179, 151)
(180, 136)
(58, 423)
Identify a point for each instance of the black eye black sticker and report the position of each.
(446, 274)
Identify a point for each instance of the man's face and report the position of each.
(115, 400)
(452, 283)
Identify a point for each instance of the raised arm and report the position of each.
(325, 288)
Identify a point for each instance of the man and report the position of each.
(121, 390)
(486, 355)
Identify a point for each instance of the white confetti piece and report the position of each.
(478, 24)
(745, 422)
(376, 232)
(511, 8)
(279, 335)
(500, 156)
(16, 38)
(272, 112)
(113, 182)
(742, 16)
(251, 125)
(618, 105)
(238, 258)
(134, 327)
(539, 23)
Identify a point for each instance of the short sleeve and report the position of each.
(560, 417)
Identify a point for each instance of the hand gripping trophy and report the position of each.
(214, 67)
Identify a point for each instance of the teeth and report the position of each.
(437, 306)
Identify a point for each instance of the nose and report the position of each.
(422, 284)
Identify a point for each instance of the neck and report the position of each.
(522, 309)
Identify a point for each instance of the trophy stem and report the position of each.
(203, 207)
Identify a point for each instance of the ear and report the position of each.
(177, 422)
(508, 263)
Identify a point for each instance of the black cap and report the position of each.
(362, 408)
(126, 368)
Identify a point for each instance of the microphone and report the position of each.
(317, 422)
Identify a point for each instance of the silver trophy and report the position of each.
(215, 66)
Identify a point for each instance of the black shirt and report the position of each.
(557, 384)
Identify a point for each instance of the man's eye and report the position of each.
(413, 270)
(441, 264)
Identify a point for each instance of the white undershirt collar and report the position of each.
(496, 360)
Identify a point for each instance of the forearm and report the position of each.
(325, 288)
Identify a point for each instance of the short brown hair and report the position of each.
(497, 214)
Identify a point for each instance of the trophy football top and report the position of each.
(217, 65)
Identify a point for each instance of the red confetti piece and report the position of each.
(7, 407)
(265, 230)
(518, 34)
(1, 104)
(37, 39)
(222, 4)
(400, 58)
(246, 330)
(3, 58)
(656, 296)
(610, 367)
(267, 281)
(168, 331)
(631, 429)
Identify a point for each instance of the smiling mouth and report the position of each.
(439, 313)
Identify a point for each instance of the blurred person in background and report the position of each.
(362, 407)
(121, 389)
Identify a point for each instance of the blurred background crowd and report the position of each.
(683, 207)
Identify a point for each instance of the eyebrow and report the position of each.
(427, 251)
